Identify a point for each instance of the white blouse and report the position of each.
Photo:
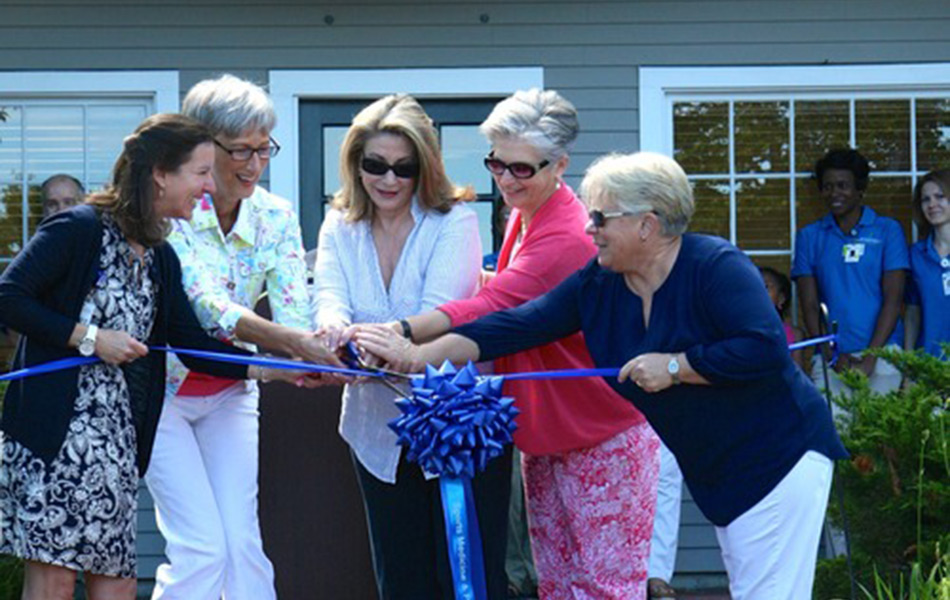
(440, 262)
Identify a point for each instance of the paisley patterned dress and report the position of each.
(79, 510)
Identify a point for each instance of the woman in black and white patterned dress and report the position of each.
(99, 279)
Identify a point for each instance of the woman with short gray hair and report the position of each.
(588, 456)
(703, 355)
(205, 462)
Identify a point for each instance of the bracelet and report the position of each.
(406, 329)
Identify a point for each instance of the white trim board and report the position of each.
(288, 87)
(160, 86)
(659, 85)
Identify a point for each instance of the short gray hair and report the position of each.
(230, 106)
(643, 182)
(543, 118)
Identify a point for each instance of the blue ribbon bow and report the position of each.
(452, 425)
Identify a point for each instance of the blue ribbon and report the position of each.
(274, 363)
(452, 425)
(463, 538)
(55, 365)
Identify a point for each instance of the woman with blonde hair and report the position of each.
(398, 241)
(589, 458)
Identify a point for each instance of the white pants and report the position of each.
(771, 549)
(203, 477)
(666, 522)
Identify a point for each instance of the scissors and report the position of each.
(355, 361)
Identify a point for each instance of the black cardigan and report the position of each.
(41, 294)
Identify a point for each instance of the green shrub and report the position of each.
(896, 487)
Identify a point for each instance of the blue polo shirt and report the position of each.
(848, 267)
(929, 287)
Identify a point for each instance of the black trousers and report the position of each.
(407, 531)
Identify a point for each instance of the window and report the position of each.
(749, 137)
(39, 139)
(70, 123)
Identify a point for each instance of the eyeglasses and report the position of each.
(518, 170)
(244, 154)
(599, 218)
(403, 170)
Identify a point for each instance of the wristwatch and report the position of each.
(673, 368)
(87, 345)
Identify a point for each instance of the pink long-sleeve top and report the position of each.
(568, 414)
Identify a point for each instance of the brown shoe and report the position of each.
(657, 588)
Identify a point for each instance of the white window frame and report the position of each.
(662, 87)
(160, 86)
(289, 87)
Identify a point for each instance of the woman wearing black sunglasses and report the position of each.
(588, 457)
(702, 353)
(398, 241)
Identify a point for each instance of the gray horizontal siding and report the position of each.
(590, 51)
(149, 542)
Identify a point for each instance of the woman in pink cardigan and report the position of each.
(588, 457)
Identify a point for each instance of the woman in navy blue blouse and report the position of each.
(703, 356)
(98, 280)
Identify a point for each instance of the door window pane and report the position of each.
(762, 216)
(484, 211)
(882, 129)
(761, 137)
(933, 134)
(332, 141)
(463, 151)
(39, 139)
(701, 136)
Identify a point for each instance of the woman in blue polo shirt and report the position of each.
(927, 314)
(853, 260)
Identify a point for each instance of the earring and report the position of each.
(161, 192)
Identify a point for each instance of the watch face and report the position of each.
(87, 347)
(674, 366)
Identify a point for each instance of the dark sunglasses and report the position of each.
(518, 170)
(244, 154)
(406, 170)
(599, 218)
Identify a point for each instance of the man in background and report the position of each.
(60, 192)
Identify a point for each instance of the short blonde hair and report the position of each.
(401, 115)
(643, 182)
